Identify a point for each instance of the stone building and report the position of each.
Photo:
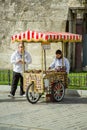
(42, 15)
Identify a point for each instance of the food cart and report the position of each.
(51, 82)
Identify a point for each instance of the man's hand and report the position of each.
(21, 61)
(49, 68)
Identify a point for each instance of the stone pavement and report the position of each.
(19, 114)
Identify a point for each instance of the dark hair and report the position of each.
(59, 52)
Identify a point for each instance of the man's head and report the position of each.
(21, 47)
(58, 54)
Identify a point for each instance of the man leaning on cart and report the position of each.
(17, 61)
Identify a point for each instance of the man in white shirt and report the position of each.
(17, 61)
(59, 62)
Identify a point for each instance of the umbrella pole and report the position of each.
(42, 66)
(63, 53)
(23, 58)
(45, 59)
(42, 59)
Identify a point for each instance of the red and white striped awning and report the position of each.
(62, 37)
(33, 36)
(28, 36)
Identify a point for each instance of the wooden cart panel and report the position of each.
(38, 81)
(54, 76)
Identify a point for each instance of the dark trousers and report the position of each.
(16, 78)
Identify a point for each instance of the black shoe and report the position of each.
(24, 95)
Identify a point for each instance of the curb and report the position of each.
(78, 93)
(12, 127)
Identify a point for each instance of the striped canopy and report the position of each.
(28, 36)
(62, 37)
(44, 37)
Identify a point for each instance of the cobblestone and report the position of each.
(19, 114)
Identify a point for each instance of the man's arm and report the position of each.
(52, 65)
(14, 59)
(67, 65)
(28, 58)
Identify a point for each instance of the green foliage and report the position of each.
(5, 77)
(77, 80)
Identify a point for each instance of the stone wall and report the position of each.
(39, 15)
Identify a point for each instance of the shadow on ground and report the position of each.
(16, 99)
(66, 100)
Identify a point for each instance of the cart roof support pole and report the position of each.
(45, 59)
(63, 53)
(42, 63)
(42, 58)
(23, 58)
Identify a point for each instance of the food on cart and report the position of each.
(34, 71)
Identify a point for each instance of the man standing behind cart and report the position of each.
(17, 61)
(60, 61)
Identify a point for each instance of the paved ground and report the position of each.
(19, 114)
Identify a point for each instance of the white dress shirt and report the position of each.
(58, 62)
(18, 67)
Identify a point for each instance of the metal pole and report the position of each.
(42, 58)
(45, 59)
(63, 53)
(23, 58)
(42, 66)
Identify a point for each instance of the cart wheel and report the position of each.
(58, 91)
(32, 96)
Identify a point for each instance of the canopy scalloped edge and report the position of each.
(33, 36)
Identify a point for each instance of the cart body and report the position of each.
(40, 80)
